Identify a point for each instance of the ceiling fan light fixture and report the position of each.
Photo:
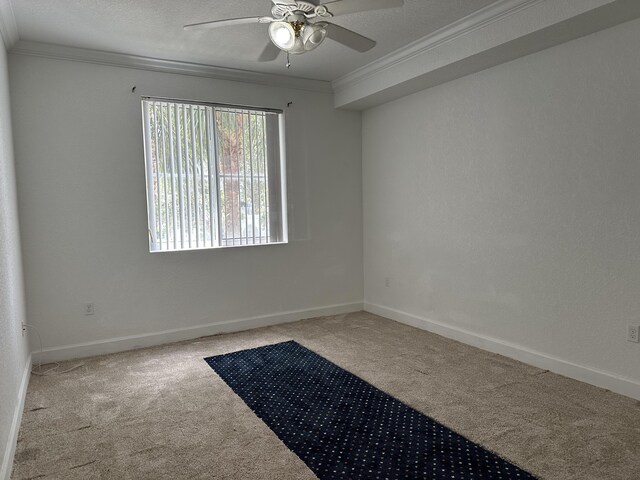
(291, 30)
(313, 35)
(282, 35)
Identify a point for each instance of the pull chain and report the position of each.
(288, 64)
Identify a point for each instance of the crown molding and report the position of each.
(499, 33)
(466, 25)
(100, 57)
(8, 25)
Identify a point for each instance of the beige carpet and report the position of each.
(162, 413)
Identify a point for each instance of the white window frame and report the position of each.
(168, 230)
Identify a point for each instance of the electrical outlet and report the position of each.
(89, 308)
(633, 334)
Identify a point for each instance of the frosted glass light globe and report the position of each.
(313, 35)
(282, 35)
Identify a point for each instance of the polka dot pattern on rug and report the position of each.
(343, 427)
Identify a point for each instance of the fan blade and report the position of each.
(349, 38)
(285, 3)
(342, 7)
(269, 53)
(228, 22)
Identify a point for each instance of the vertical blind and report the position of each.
(215, 175)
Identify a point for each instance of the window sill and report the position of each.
(222, 247)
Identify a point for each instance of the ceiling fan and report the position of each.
(299, 26)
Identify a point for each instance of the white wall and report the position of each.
(507, 203)
(13, 346)
(79, 151)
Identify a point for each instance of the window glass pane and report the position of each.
(214, 175)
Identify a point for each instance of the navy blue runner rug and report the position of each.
(344, 428)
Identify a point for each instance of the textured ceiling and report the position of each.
(153, 28)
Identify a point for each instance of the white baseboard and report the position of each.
(120, 344)
(599, 378)
(7, 460)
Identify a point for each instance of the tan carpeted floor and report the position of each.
(162, 413)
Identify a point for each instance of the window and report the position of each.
(215, 175)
